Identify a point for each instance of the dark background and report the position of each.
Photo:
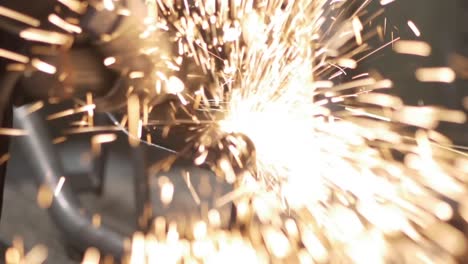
(444, 25)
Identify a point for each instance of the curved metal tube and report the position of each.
(65, 209)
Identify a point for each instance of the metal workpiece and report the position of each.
(65, 210)
(141, 186)
(84, 169)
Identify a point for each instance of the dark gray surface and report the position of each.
(22, 216)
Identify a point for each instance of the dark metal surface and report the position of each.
(24, 218)
(141, 184)
(76, 226)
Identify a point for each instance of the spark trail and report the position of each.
(371, 182)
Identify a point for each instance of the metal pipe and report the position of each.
(65, 209)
